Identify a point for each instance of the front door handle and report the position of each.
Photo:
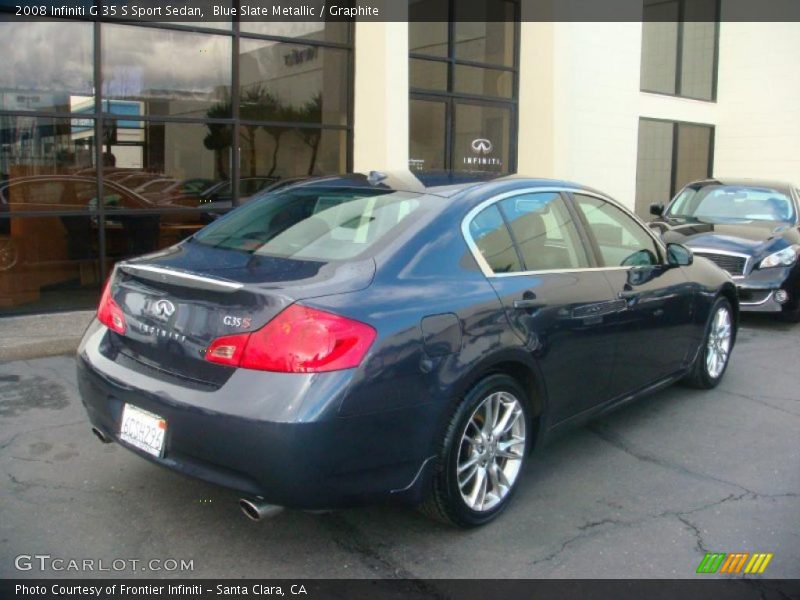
(627, 294)
(527, 303)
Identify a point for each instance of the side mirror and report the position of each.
(679, 255)
(657, 209)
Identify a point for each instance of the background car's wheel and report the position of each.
(712, 359)
(481, 454)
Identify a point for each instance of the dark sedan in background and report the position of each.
(749, 228)
(355, 339)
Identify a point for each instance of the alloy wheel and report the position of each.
(491, 451)
(719, 343)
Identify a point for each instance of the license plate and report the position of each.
(143, 430)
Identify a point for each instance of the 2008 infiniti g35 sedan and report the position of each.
(353, 339)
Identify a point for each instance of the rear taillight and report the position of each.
(298, 340)
(109, 313)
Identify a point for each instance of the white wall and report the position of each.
(758, 129)
(579, 104)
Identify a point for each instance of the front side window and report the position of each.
(721, 203)
(621, 240)
(544, 232)
(313, 223)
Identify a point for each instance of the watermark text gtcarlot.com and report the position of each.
(46, 562)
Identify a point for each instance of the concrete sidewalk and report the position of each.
(35, 336)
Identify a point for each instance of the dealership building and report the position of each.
(172, 123)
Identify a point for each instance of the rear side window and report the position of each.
(544, 232)
(313, 222)
(490, 234)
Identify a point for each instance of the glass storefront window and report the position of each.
(488, 42)
(482, 138)
(48, 263)
(274, 153)
(483, 82)
(320, 31)
(427, 144)
(195, 78)
(30, 78)
(292, 82)
(155, 165)
(161, 146)
(427, 74)
(45, 163)
(428, 38)
(463, 107)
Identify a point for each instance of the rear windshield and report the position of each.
(312, 222)
(733, 203)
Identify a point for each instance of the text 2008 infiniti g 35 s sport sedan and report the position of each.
(352, 339)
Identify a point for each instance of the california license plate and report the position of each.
(143, 430)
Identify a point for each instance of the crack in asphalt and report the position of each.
(605, 433)
(27, 485)
(14, 437)
(591, 529)
(352, 540)
(763, 403)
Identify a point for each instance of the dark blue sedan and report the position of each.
(354, 339)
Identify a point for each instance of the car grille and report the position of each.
(735, 265)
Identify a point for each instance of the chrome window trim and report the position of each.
(747, 258)
(487, 270)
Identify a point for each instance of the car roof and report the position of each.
(437, 184)
(783, 186)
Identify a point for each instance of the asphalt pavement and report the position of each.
(644, 492)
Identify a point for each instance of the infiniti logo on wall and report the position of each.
(160, 309)
(482, 146)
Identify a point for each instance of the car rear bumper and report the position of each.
(267, 435)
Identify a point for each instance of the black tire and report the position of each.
(699, 376)
(444, 501)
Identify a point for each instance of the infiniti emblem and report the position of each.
(482, 146)
(160, 309)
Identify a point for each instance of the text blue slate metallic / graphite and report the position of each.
(354, 339)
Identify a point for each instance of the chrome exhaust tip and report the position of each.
(101, 436)
(257, 511)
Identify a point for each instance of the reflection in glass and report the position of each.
(483, 82)
(427, 135)
(320, 31)
(277, 152)
(164, 165)
(692, 155)
(48, 263)
(129, 235)
(653, 165)
(37, 155)
(30, 78)
(488, 42)
(167, 72)
(427, 74)
(292, 82)
(428, 38)
(481, 138)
